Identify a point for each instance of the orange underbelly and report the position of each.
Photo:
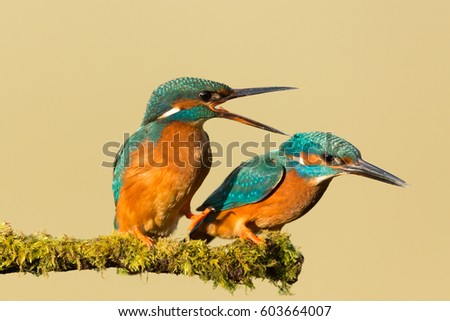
(161, 181)
(153, 199)
(293, 198)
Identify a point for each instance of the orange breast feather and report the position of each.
(162, 179)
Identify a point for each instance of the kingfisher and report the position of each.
(271, 190)
(160, 167)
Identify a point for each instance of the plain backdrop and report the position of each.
(76, 75)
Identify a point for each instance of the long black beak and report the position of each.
(366, 169)
(255, 91)
(236, 93)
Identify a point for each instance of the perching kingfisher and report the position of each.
(161, 166)
(279, 187)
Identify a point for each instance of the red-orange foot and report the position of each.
(196, 218)
(249, 235)
(144, 238)
(190, 215)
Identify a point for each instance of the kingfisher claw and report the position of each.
(141, 236)
(190, 215)
(249, 235)
(197, 218)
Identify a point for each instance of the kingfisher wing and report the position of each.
(122, 160)
(119, 165)
(249, 183)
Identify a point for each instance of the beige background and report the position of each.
(74, 76)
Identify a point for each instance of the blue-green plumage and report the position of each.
(251, 182)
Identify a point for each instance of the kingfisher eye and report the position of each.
(205, 96)
(332, 161)
(328, 159)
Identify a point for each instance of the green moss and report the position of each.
(229, 266)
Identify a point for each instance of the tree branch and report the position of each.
(238, 263)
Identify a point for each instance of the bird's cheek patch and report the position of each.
(310, 159)
(187, 103)
(347, 160)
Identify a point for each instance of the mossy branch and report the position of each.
(229, 266)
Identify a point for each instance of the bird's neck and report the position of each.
(183, 129)
(157, 130)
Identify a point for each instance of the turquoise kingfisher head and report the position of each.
(154, 181)
(321, 156)
(279, 187)
(196, 100)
